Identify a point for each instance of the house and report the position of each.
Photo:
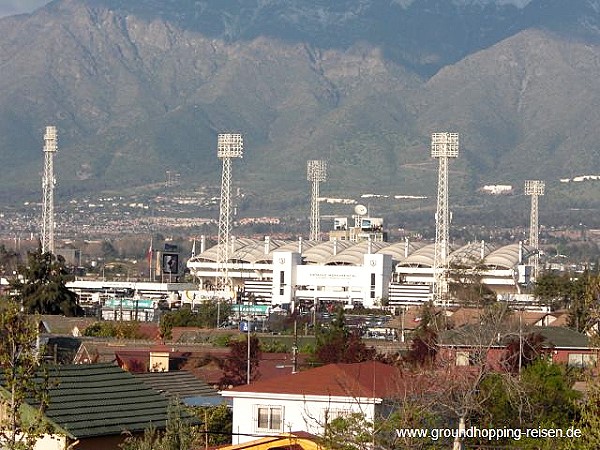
(569, 346)
(59, 349)
(471, 344)
(296, 440)
(308, 400)
(65, 326)
(94, 406)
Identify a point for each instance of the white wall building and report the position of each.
(368, 272)
(366, 284)
(306, 401)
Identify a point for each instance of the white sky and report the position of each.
(11, 7)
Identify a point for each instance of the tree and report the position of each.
(549, 389)
(553, 289)
(9, 260)
(337, 344)
(180, 433)
(40, 285)
(22, 424)
(235, 364)
(120, 330)
(204, 315)
(521, 351)
(584, 308)
(218, 424)
(542, 397)
(588, 421)
(423, 346)
(348, 432)
(466, 283)
(460, 399)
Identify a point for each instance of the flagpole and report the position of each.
(150, 255)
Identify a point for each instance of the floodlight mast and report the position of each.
(48, 182)
(229, 146)
(316, 172)
(443, 147)
(535, 189)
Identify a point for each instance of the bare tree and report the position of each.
(24, 396)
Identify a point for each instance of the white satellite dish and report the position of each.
(360, 210)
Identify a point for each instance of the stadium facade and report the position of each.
(370, 272)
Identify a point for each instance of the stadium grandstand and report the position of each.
(368, 273)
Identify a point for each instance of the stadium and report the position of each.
(369, 273)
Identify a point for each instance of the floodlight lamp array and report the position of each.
(534, 187)
(50, 140)
(230, 145)
(444, 145)
(316, 170)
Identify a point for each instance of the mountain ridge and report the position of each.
(133, 96)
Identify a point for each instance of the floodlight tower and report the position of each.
(443, 147)
(534, 188)
(229, 146)
(48, 182)
(316, 172)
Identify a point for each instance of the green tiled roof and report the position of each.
(102, 399)
(177, 384)
(562, 337)
(477, 335)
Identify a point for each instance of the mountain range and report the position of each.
(138, 88)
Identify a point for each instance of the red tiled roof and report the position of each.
(370, 379)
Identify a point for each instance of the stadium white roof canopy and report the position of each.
(409, 254)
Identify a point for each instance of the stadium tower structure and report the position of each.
(535, 189)
(229, 146)
(443, 147)
(48, 183)
(316, 172)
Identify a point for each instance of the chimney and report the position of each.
(159, 361)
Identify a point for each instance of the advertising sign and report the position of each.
(170, 263)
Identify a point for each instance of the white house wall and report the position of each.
(299, 413)
(51, 442)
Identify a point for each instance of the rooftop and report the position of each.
(91, 400)
(370, 379)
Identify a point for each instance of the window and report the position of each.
(463, 358)
(269, 418)
(584, 360)
(372, 285)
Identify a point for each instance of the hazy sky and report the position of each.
(10, 7)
